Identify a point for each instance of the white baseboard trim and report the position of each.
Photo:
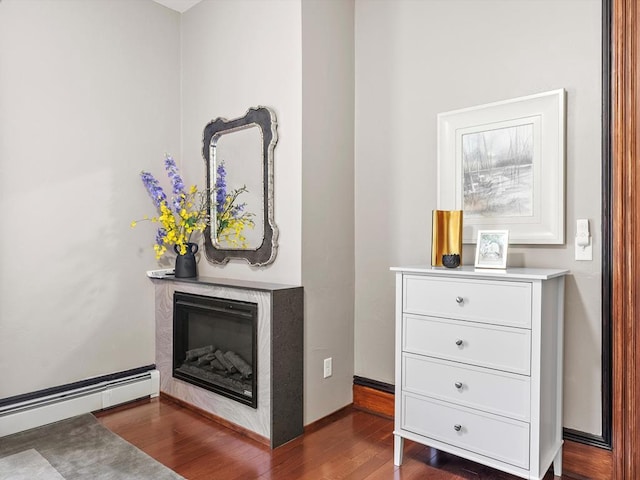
(53, 408)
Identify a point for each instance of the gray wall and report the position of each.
(289, 63)
(328, 201)
(415, 59)
(94, 92)
(237, 55)
(89, 96)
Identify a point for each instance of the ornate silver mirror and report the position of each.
(239, 158)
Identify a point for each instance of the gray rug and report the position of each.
(28, 465)
(77, 448)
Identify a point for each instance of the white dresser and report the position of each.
(479, 365)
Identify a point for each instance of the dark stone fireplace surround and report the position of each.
(278, 417)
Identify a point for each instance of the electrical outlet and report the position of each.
(327, 367)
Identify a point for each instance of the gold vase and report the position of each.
(446, 235)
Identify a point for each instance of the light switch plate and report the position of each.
(584, 253)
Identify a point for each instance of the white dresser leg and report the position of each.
(398, 444)
(557, 464)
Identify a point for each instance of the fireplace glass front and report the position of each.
(214, 345)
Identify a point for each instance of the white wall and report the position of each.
(89, 96)
(237, 55)
(327, 202)
(415, 59)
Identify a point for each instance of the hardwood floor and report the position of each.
(349, 445)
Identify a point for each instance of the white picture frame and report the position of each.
(491, 249)
(503, 164)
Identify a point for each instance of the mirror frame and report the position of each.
(265, 119)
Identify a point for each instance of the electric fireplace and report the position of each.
(214, 345)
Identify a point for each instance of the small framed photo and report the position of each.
(491, 249)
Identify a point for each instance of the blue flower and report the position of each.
(221, 187)
(236, 211)
(174, 175)
(160, 234)
(153, 187)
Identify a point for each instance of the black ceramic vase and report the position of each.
(451, 260)
(186, 266)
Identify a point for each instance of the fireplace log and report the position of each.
(205, 359)
(215, 377)
(243, 367)
(217, 365)
(226, 363)
(199, 352)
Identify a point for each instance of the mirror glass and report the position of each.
(239, 215)
(239, 158)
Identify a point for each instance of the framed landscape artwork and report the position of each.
(503, 164)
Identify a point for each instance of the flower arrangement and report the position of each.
(186, 212)
(231, 217)
(180, 216)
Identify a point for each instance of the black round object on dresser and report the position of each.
(451, 260)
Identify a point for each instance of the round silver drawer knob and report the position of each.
(457, 428)
(458, 342)
(459, 299)
(458, 385)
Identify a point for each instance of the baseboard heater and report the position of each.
(88, 397)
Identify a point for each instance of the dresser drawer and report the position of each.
(501, 303)
(496, 437)
(489, 390)
(490, 346)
